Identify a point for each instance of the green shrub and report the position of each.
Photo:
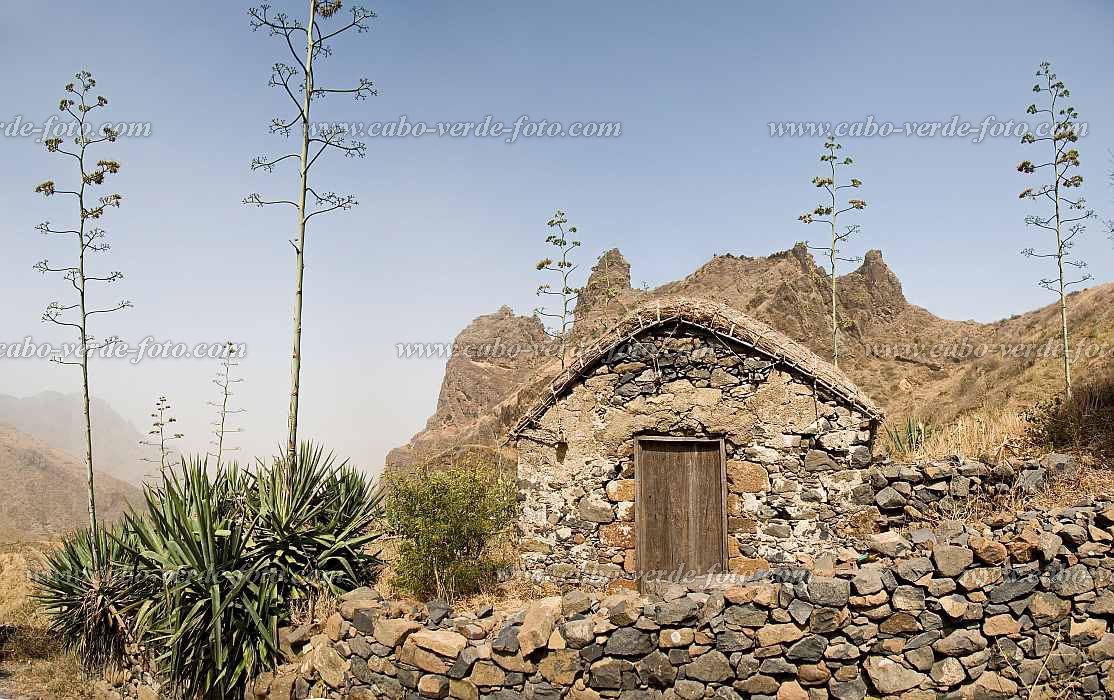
(450, 522)
(206, 572)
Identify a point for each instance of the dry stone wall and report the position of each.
(1022, 609)
(796, 458)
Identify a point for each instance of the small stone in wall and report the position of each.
(889, 544)
(621, 490)
(819, 461)
(595, 510)
(988, 551)
(951, 560)
(625, 510)
(618, 534)
(763, 455)
(890, 677)
(839, 441)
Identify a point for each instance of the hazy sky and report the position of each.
(449, 228)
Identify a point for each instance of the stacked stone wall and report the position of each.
(1022, 609)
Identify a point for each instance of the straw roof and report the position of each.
(718, 319)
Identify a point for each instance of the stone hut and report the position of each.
(691, 439)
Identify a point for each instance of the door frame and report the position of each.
(639, 484)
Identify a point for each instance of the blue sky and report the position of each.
(448, 229)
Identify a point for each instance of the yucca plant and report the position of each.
(213, 625)
(314, 522)
(89, 599)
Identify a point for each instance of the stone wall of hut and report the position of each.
(797, 457)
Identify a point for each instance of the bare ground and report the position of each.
(32, 666)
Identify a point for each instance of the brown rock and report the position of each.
(431, 686)
(779, 634)
(899, 623)
(334, 626)
(330, 665)
(951, 560)
(463, 690)
(675, 638)
(621, 490)
(560, 667)
(422, 658)
(990, 686)
(618, 534)
(747, 477)
(961, 642)
(392, 632)
(1001, 626)
(988, 551)
(540, 619)
(792, 691)
(890, 677)
(443, 642)
(283, 687)
(1048, 607)
(515, 663)
(486, 674)
(1087, 631)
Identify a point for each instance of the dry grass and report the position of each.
(31, 664)
(318, 607)
(1004, 435)
(1094, 481)
(509, 595)
(991, 433)
(976, 508)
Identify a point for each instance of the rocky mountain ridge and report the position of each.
(911, 361)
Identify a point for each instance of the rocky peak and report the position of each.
(878, 282)
(491, 357)
(803, 256)
(610, 277)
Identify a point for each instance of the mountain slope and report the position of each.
(44, 490)
(909, 360)
(56, 420)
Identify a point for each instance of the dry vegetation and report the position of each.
(31, 665)
(994, 434)
(1083, 427)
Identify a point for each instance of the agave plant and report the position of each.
(89, 604)
(910, 436)
(315, 521)
(213, 625)
(204, 575)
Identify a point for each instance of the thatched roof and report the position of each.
(718, 319)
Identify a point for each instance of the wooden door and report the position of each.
(680, 507)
